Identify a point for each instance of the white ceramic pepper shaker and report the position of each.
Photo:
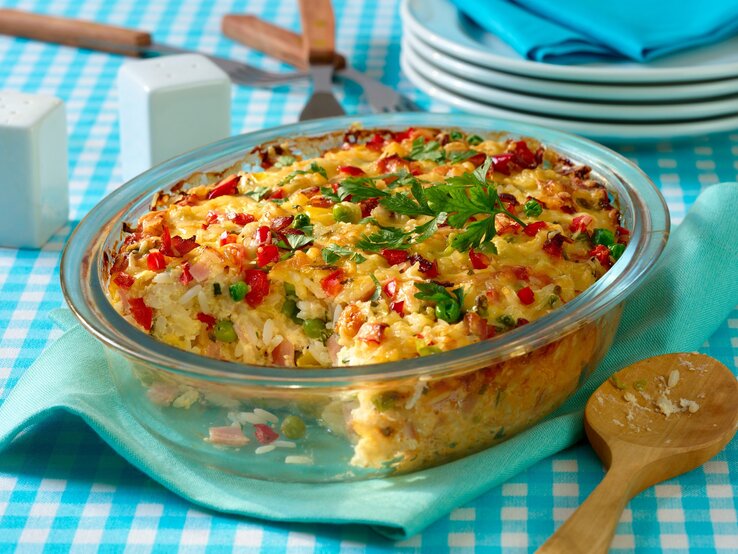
(33, 169)
(170, 105)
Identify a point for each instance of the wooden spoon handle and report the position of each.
(591, 527)
(72, 32)
(318, 31)
(270, 39)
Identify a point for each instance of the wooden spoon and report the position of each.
(627, 423)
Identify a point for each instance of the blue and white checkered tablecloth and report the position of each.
(62, 488)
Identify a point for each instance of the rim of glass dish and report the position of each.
(84, 293)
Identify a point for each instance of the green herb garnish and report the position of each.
(604, 237)
(333, 252)
(474, 140)
(314, 168)
(284, 161)
(258, 193)
(448, 304)
(430, 151)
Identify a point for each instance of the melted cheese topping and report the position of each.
(179, 271)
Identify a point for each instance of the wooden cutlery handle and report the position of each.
(591, 527)
(72, 32)
(318, 30)
(270, 39)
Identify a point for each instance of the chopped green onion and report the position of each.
(428, 350)
(386, 400)
(532, 208)
(224, 331)
(217, 291)
(474, 140)
(456, 135)
(238, 291)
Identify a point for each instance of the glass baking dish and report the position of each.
(361, 421)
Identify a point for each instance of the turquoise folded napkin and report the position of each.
(575, 31)
(688, 296)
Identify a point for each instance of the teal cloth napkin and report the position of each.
(687, 298)
(575, 31)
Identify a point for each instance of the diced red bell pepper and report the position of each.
(228, 185)
(277, 194)
(350, 170)
(124, 280)
(521, 272)
(142, 314)
(479, 260)
(501, 163)
(267, 254)
(532, 228)
(526, 296)
(241, 218)
(331, 283)
(376, 143)
(580, 223)
(391, 164)
(478, 159)
(258, 283)
(186, 277)
(265, 434)
(394, 257)
(156, 261)
(399, 136)
(207, 319)
(602, 254)
(398, 306)
(264, 235)
(523, 156)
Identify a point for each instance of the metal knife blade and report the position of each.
(322, 103)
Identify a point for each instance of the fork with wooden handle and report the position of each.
(285, 45)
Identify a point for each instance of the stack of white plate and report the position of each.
(453, 60)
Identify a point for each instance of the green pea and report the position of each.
(289, 289)
(238, 291)
(532, 208)
(456, 135)
(224, 331)
(314, 328)
(293, 427)
(603, 236)
(300, 221)
(347, 212)
(474, 140)
(617, 250)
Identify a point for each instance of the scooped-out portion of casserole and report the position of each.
(394, 245)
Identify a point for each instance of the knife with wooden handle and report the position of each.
(275, 41)
(73, 32)
(118, 40)
(285, 45)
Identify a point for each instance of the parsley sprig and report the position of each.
(333, 252)
(455, 201)
(448, 304)
(314, 168)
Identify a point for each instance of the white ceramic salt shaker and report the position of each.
(170, 105)
(34, 184)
